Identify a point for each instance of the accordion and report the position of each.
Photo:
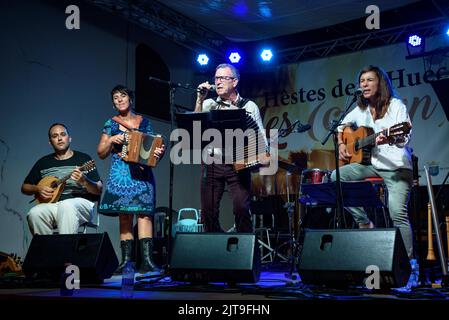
(139, 148)
(249, 149)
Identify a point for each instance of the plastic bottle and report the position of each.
(128, 280)
(413, 281)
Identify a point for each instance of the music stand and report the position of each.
(220, 120)
(213, 119)
(185, 120)
(355, 194)
(228, 119)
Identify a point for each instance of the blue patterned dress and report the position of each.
(130, 188)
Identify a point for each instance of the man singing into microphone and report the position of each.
(215, 175)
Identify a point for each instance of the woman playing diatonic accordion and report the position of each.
(130, 189)
(140, 147)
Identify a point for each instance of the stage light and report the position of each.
(234, 57)
(416, 45)
(447, 32)
(203, 59)
(266, 55)
(414, 40)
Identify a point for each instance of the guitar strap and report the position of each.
(124, 124)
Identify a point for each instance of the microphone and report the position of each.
(302, 127)
(204, 90)
(282, 133)
(358, 92)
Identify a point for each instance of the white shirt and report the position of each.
(385, 156)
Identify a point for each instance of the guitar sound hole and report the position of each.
(356, 146)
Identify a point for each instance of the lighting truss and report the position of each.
(352, 43)
(167, 23)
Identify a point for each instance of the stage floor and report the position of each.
(273, 285)
(275, 296)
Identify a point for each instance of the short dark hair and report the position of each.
(57, 124)
(235, 71)
(122, 89)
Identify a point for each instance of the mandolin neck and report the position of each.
(62, 180)
(65, 178)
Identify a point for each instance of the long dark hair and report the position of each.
(384, 93)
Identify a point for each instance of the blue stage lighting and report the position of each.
(416, 45)
(447, 32)
(266, 55)
(414, 40)
(203, 59)
(234, 57)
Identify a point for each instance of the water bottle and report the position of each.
(414, 274)
(128, 280)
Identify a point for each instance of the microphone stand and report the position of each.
(293, 241)
(415, 200)
(333, 131)
(172, 86)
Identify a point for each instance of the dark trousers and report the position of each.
(214, 178)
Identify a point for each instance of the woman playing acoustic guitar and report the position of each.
(380, 111)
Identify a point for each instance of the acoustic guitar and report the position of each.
(10, 263)
(360, 142)
(58, 184)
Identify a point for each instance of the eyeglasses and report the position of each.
(221, 78)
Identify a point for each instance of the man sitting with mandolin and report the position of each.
(378, 148)
(65, 184)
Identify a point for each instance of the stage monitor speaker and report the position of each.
(92, 253)
(341, 257)
(215, 257)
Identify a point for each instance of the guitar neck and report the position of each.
(371, 139)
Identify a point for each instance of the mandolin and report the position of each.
(10, 263)
(360, 142)
(58, 184)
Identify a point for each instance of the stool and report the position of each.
(382, 192)
(266, 251)
(263, 237)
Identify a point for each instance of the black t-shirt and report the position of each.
(50, 166)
